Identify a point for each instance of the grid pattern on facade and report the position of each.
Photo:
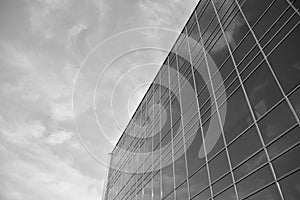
(255, 47)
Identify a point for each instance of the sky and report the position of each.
(63, 107)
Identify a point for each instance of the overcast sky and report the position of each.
(42, 46)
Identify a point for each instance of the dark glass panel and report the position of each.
(253, 163)
(227, 72)
(229, 91)
(254, 9)
(198, 181)
(147, 190)
(282, 19)
(288, 140)
(227, 194)
(213, 125)
(218, 52)
(180, 169)
(295, 100)
(256, 180)
(269, 18)
(262, 90)
(270, 192)
(238, 116)
(156, 186)
(193, 160)
(170, 196)
(241, 50)
(244, 146)
(296, 4)
(289, 24)
(202, 195)
(167, 180)
(276, 122)
(290, 186)
(287, 162)
(218, 166)
(286, 62)
(182, 192)
(248, 68)
(222, 184)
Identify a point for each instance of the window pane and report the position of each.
(244, 146)
(218, 166)
(290, 186)
(276, 122)
(262, 90)
(198, 181)
(288, 140)
(221, 184)
(286, 62)
(156, 186)
(236, 122)
(295, 99)
(253, 9)
(180, 169)
(270, 192)
(253, 182)
(253, 163)
(202, 195)
(167, 180)
(272, 14)
(287, 162)
(193, 160)
(227, 194)
(182, 192)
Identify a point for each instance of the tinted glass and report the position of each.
(256, 180)
(244, 146)
(290, 186)
(262, 90)
(276, 122)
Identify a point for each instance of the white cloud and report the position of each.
(20, 132)
(59, 137)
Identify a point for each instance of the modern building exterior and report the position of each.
(221, 118)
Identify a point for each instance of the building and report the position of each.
(221, 118)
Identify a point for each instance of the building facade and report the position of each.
(221, 118)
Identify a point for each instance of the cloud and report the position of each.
(20, 132)
(38, 174)
(59, 137)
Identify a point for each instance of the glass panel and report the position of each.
(222, 184)
(236, 122)
(253, 163)
(273, 13)
(198, 181)
(241, 50)
(287, 162)
(286, 62)
(288, 140)
(180, 169)
(218, 166)
(290, 186)
(156, 186)
(276, 122)
(244, 146)
(253, 9)
(270, 192)
(202, 195)
(182, 192)
(262, 90)
(253, 182)
(167, 180)
(227, 194)
(193, 160)
(295, 100)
